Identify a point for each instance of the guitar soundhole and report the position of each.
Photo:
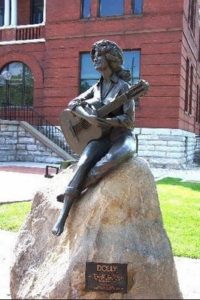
(83, 124)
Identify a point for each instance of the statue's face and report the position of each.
(100, 62)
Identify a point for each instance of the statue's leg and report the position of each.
(121, 150)
(94, 151)
(60, 223)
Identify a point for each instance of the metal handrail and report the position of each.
(31, 116)
(197, 145)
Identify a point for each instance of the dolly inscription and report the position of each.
(106, 277)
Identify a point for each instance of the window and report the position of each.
(137, 7)
(108, 8)
(111, 8)
(132, 63)
(197, 116)
(37, 7)
(198, 112)
(89, 75)
(187, 85)
(192, 14)
(199, 48)
(191, 89)
(1, 12)
(19, 89)
(86, 8)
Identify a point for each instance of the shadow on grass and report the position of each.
(178, 182)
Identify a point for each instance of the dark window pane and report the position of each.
(19, 89)
(37, 7)
(191, 89)
(192, 14)
(88, 71)
(132, 63)
(187, 85)
(2, 92)
(1, 12)
(86, 84)
(111, 8)
(89, 76)
(28, 86)
(137, 7)
(16, 94)
(86, 5)
(197, 105)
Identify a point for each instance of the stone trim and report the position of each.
(19, 141)
(47, 142)
(166, 147)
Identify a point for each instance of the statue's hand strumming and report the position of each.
(95, 121)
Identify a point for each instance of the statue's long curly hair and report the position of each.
(114, 56)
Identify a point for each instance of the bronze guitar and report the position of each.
(78, 131)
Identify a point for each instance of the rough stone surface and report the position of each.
(117, 221)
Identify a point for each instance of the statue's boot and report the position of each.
(69, 197)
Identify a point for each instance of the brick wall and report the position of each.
(157, 33)
(161, 33)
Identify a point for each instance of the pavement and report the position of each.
(20, 182)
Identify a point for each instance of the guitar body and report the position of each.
(78, 132)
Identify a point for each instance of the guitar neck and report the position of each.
(133, 92)
(108, 108)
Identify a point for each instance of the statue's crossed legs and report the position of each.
(98, 158)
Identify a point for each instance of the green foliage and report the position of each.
(13, 215)
(180, 206)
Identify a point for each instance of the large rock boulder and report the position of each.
(118, 221)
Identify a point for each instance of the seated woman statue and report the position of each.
(117, 144)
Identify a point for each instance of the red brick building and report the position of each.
(49, 42)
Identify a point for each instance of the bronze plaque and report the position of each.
(106, 277)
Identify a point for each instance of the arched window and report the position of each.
(17, 88)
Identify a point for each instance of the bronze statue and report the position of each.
(99, 123)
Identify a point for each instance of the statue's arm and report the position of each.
(127, 118)
(124, 120)
(78, 101)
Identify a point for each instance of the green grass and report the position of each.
(13, 215)
(180, 206)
